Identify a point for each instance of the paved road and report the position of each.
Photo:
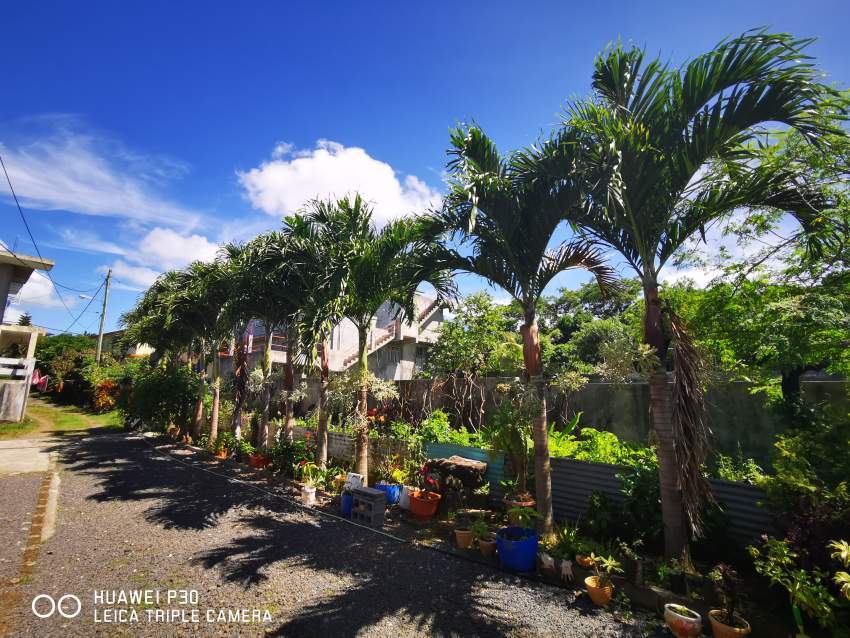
(134, 520)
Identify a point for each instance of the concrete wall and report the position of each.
(13, 396)
(737, 418)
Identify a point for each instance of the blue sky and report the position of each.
(140, 135)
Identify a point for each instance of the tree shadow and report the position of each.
(384, 579)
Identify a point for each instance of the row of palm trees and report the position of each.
(653, 158)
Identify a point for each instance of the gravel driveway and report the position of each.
(134, 520)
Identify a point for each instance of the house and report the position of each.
(112, 344)
(17, 343)
(397, 350)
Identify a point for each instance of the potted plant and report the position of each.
(632, 562)
(517, 544)
(485, 538)
(682, 621)
(259, 460)
(463, 533)
(223, 444)
(726, 622)
(393, 479)
(310, 476)
(423, 502)
(244, 449)
(599, 587)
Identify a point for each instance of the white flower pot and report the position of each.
(308, 495)
(404, 499)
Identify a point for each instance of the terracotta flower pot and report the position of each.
(599, 595)
(584, 561)
(683, 622)
(258, 460)
(463, 537)
(487, 546)
(722, 630)
(222, 454)
(424, 504)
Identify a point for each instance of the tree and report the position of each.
(25, 319)
(476, 341)
(372, 267)
(663, 153)
(754, 328)
(508, 227)
(266, 288)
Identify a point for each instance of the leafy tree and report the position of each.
(56, 353)
(507, 227)
(475, 341)
(25, 319)
(664, 152)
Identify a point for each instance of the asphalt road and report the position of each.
(209, 557)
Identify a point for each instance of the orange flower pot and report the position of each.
(424, 504)
(599, 595)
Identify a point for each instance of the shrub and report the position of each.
(163, 396)
(105, 395)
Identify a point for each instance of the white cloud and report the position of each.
(166, 249)
(39, 292)
(64, 169)
(159, 250)
(140, 276)
(285, 183)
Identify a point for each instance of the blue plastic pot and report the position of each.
(518, 555)
(346, 504)
(392, 490)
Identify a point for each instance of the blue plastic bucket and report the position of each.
(392, 491)
(346, 504)
(519, 555)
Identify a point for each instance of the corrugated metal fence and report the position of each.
(573, 482)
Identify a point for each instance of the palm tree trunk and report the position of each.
(289, 377)
(263, 432)
(216, 403)
(542, 469)
(198, 418)
(322, 429)
(661, 411)
(361, 464)
(240, 373)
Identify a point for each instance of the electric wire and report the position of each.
(32, 238)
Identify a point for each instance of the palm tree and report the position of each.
(664, 153)
(266, 289)
(202, 303)
(507, 228)
(320, 266)
(370, 268)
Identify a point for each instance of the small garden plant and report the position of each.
(604, 567)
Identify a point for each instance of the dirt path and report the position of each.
(133, 519)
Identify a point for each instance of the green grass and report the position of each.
(17, 430)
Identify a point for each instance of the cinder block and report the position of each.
(369, 506)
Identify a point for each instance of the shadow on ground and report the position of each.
(439, 593)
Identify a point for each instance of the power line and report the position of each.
(29, 232)
(68, 329)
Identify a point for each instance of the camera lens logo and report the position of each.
(65, 606)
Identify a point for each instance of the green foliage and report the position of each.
(163, 396)
(599, 517)
(605, 566)
(811, 459)
(225, 441)
(57, 355)
(477, 341)
(587, 340)
(523, 516)
(739, 469)
(778, 562)
(480, 530)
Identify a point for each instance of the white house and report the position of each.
(397, 350)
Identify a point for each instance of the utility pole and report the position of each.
(103, 316)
